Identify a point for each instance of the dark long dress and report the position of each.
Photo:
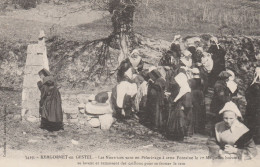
(252, 115)
(221, 95)
(198, 105)
(179, 115)
(218, 57)
(50, 105)
(204, 79)
(155, 103)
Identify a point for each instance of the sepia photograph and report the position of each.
(129, 83)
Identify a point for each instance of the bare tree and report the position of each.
(122, 21)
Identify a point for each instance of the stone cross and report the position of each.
(35, 61)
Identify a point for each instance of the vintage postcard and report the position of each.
(170, 83)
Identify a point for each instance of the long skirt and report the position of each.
(176, 124)
(155, 110)
(51, 126)
(189, 121)
(199, 111)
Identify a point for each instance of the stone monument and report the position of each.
(35, 61)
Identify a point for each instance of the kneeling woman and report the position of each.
(50, 103)
(233, 139)
(123, 94)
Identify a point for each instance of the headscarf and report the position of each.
(230, 83)
(176, 39)
(45, 72)
(257, 75)
(200, 49)
(152, 68)
(135, 58)
(187, 63)
(182, 81)
(186, 53)
(155, 74)
(125, 69)
(224, 75)
(42, 34)
(231, 106)
(215, 40)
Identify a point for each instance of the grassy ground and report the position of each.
(168, 17)
(127, 136)
(158, 19)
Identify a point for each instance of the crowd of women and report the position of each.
(170, 97)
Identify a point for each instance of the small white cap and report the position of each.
(200, 49)
(231, 106)
(195, 71)
(186, 53)
(152, 68)
(42, 34)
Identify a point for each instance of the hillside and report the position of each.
(85, 20)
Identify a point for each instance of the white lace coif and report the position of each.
(215, 40)
(187, 63)
(186, 53)
(231, 106)
(200, 49)
(152, 68)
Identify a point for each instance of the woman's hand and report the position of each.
(167, 94)
(230, 149)
(198, 64)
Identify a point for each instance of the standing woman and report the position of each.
(205, 69)
(176, 45)
(180, 109)
(252, 115)
(50, 103)
(198, 102)
(218, 57)
(155, 99)
(221, 95)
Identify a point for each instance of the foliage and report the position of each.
(26, 4)
(198, 16)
